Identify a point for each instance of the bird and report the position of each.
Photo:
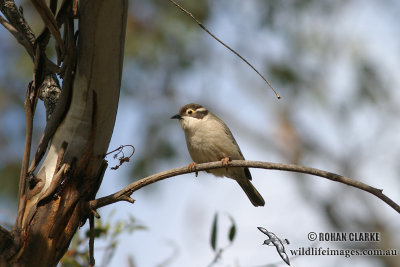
(277, 242)
(209, 139)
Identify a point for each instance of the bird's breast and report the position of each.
(207, 144)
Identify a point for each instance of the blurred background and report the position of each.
(336, 65)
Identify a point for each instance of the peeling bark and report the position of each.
(55, 199)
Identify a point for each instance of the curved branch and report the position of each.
(123, 195)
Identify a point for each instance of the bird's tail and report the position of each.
(251, 192)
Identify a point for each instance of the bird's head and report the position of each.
(191, 116)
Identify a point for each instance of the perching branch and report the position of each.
(125, 193)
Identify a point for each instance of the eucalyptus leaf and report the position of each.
(214, 232)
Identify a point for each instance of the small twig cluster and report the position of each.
(121, 155)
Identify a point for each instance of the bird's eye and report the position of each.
(189, 111)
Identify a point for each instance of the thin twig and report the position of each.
(50, 22)
(128, 190)
(18, 35)
(29, 113)
(91, 241)
(221, 42)
(122, 159)
(217, 257)
(14, 15)
(31, 99)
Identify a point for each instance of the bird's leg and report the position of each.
(192, 167)
(225, 161)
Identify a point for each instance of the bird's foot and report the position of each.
(192, 167)
(225, 161)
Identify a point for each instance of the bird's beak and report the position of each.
(177, 116)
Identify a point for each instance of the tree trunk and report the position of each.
(52, 208)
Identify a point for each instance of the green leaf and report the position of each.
(232, 230)
(214, 231)
(98, 231)
(232, 233)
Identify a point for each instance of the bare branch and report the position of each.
(29, 113)
(227, 46)
(91, 241)
(50, 21)
(25, 43)
(17, 25)
(19, 36)
(127, 191)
